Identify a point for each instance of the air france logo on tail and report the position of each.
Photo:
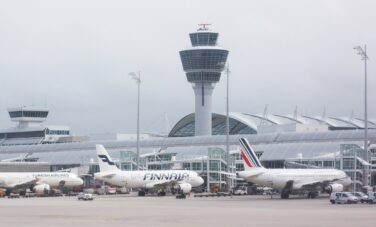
(248, 155)
(104, 158)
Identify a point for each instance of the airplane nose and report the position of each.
(80, 181)
(200, 180)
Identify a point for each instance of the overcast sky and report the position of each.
(74, 57)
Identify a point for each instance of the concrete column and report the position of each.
(203, 108)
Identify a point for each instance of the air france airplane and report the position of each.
(144, 180)
(39, 181)
(310, 181)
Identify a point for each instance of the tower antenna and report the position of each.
(203, 27)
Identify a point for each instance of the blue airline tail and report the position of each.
(104, 160)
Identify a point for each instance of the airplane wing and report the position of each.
(164, 183)
(232, 176)
(109, 176)
(23, 183)
(313, 183)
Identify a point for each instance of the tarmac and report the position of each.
(130, 210)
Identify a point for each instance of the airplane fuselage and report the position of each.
(147, 179)
(278, 178)
(54, 179)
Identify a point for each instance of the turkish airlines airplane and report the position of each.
(110, 173)
(309, 181)
(38, 181)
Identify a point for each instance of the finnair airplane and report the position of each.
(38, 181)
(144, 180)
(310, 181)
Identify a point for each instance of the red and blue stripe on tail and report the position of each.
(248, 155)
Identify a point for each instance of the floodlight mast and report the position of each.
(137, 78)
(363, 53)
(229, 170)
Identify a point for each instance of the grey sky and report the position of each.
(74, 56)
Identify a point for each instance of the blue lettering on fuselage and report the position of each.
(50, 175)
(147, 175)
(166, 176)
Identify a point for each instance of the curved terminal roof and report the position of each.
(157, 143)
(244, 123)
(239, 124)
(275, 146)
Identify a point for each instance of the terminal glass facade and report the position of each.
(16, 135)
(57, 132)
(36, 114)
(202, 61)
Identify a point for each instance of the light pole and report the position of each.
(227, 70)
(363, 53)
(137, 78)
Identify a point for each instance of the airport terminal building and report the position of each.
(280, 141)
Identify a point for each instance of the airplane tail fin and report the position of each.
(104, 159)
(250, 159)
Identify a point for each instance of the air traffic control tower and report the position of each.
(203, 64)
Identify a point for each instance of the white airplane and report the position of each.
(310, 181)
(38, 181)
(144, 180)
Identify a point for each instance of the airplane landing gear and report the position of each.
(312, 195)
(161, 193)
(285, 195)
(181, 196)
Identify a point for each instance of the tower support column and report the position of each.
(203, 64)
(203, 106)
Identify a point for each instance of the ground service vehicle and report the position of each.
(343, 197)
(14, 196)
(371, 197)
(2, 192)
(85, 196)
(241, 191)
(362, 197)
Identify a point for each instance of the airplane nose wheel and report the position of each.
(181, 196)
(162, 193)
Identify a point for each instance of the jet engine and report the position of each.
(41, 188)
(185, 187)
(335, 187)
